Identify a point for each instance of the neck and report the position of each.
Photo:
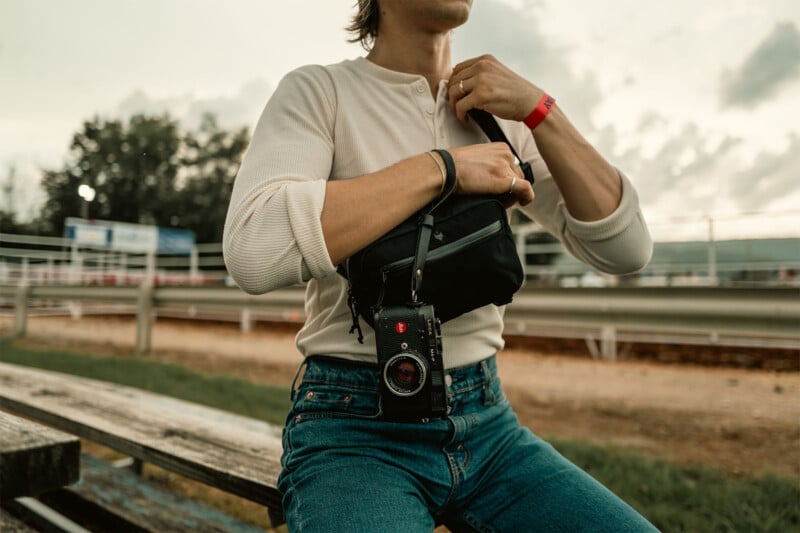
(426, 54)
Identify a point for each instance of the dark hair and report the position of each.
(365, 23)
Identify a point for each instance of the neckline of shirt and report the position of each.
(387, 75)
(395, 77)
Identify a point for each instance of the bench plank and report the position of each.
(237, 454)
(115, 499)
(35, 458)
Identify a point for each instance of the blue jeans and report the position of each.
(345, 469)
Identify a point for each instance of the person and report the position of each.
(342, 154)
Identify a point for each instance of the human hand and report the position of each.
(485, 83)
(490, 169)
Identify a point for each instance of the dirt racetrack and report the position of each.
(741, 421)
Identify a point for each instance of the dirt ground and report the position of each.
(741, 421)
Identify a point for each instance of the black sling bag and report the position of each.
(463, 243)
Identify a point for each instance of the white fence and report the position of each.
(765, 317)
(49, 260)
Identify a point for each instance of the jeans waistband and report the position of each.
(321, 369)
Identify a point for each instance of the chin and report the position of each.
(452, 12)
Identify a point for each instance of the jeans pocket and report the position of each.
(319, 417)
(316, 400)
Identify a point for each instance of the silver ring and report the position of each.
(513, 182)
(461, 88)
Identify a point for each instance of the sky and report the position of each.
(697, 102)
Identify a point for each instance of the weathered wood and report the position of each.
(35, 458)
(237, 454)
(113, 499)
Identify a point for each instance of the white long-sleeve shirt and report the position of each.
(351, 119)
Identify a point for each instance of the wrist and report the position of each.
(437, 159)
(451, 179)
(540, 112)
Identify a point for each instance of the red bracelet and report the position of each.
(540, 112)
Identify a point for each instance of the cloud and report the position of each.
(773, 63)
(770, 178)
(679, 176)
(241, 109)
(693, 172)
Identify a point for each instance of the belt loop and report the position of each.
(488, 378)
(294, 381)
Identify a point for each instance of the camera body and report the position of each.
(409, 346)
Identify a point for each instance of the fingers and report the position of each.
(485, 83)
(459, 96)
(491, 169)
(520, 190)
(468, 63)
(466, 78)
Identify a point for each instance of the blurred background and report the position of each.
(140, 114)
(123, 124)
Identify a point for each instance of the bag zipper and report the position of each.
(468, 240)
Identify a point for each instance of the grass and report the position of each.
(675, 498)
(690, 498)
(264, 402)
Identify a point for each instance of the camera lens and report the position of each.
(404, 374)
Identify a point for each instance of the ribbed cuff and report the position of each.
(304, 206)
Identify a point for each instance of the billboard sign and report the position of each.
(90, 233)
(126, 237)
(134, 238)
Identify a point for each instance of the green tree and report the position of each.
(211, 159)
(132, 167)
(147, 171)
(8, 223)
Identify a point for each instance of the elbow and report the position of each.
(235, 267)
(623, 258)
(632, 249)
(633, 260)
(244, 268)
(258, 266)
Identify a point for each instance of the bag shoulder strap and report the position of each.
(492, 129)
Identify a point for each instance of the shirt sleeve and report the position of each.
(273, 234)
(617, 244)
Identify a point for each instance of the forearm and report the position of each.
(590, 186)
(359, 210)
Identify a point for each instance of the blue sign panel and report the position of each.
(176, 241)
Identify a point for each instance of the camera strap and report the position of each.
(492, 129)
(420, 255)
(426, 225)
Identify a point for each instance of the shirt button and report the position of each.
(429, 111)
(420, 88)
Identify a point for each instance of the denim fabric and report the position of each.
(345, 469)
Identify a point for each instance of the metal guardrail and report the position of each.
(758, 317)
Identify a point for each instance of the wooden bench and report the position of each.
(34, 459)
(236, 454)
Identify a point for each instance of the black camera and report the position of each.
(409, 345)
